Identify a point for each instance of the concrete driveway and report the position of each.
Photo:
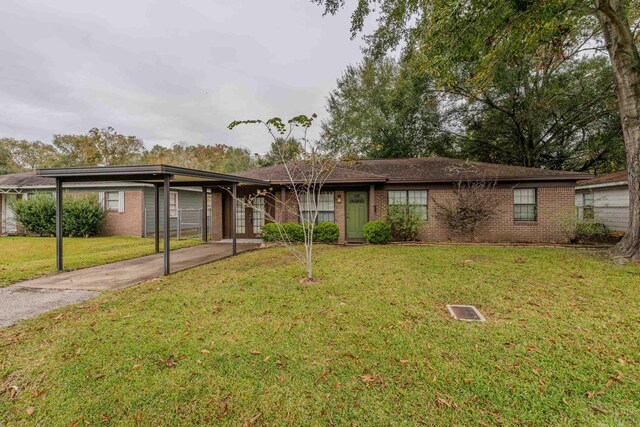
(32, 297)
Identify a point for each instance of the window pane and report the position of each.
(112, 200)
(417, 197)
(397, 197)
(420, 199)
(240, 217)
(524, 196)
(326, 216)
(587, 199)
(325, 201)
(173, 204)
(258, 214)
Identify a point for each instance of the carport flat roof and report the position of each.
(146, 173)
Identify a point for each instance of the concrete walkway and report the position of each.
(32, 297)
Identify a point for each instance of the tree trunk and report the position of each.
(625, 62)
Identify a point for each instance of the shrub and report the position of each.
(37, 214)
(272, 232)
(326, 232)
(405, 221)
(82, 216)
(591, 232)
(377, 232)
(471, 207)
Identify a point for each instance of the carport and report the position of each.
(161, 176)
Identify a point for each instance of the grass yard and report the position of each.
(23, 258)
(372, 343)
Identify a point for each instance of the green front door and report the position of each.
(357, 213)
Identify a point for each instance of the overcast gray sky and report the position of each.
(166, 70)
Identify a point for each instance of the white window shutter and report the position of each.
(101, 198)
(121, 201)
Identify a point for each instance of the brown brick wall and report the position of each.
(555, 207)
(216, 217)
(340, 214)
(129, 222)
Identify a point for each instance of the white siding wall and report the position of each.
(611, 206)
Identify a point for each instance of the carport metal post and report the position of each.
(59, 231)
(167, 226)
(204, 231)
(234, 244)
(156, 216)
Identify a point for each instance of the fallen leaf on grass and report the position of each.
(367, 378)
(39, 392)
(618, 377)
(137, 366)
(467, 380)
(591, 394)
(76, 422)
(30, 410)
(602, 411)
(536, 371)
(252, 421)
(442, 402)
(403, 361)
(204, 351)
(255, 352)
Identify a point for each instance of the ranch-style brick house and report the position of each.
(532, 204)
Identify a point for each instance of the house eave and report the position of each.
(603, 185)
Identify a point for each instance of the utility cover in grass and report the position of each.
(466, 312)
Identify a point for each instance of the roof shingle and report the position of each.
(607, 178)
(422, 169)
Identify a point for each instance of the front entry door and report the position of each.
(249, 218)
(357, 213)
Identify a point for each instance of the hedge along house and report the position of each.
(129, 205)
(531, 204)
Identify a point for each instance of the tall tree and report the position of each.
(104, 147)
(552, 113)
(382, 108)
(218, 157)
(484, 36)
(30, 155)
(6, 164)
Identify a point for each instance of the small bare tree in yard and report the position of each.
(307, 170)
(472, 205)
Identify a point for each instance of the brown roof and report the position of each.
(423, 169)
(25, 179)
(607, 178)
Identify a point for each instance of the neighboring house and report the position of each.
(129, 205)
(605, 199)
(533, 204)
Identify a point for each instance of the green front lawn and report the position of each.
(370, 344)
(23, 258)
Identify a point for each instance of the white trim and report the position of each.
(171, 193)
(606, 184)
(120, 201)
